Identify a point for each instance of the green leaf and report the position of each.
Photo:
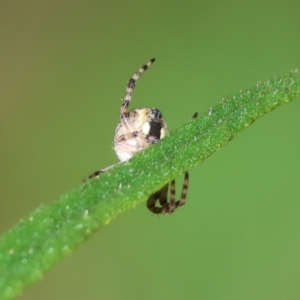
(51, 232)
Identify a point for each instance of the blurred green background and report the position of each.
(64, 67)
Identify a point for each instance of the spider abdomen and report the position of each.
(137, 130)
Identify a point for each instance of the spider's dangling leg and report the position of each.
(185, 186)
(162, 196)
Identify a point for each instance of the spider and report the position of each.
(137, 130)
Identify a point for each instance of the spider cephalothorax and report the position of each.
(137, 130)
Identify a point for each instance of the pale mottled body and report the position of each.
(138, 129)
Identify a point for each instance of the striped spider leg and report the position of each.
(162, 196)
